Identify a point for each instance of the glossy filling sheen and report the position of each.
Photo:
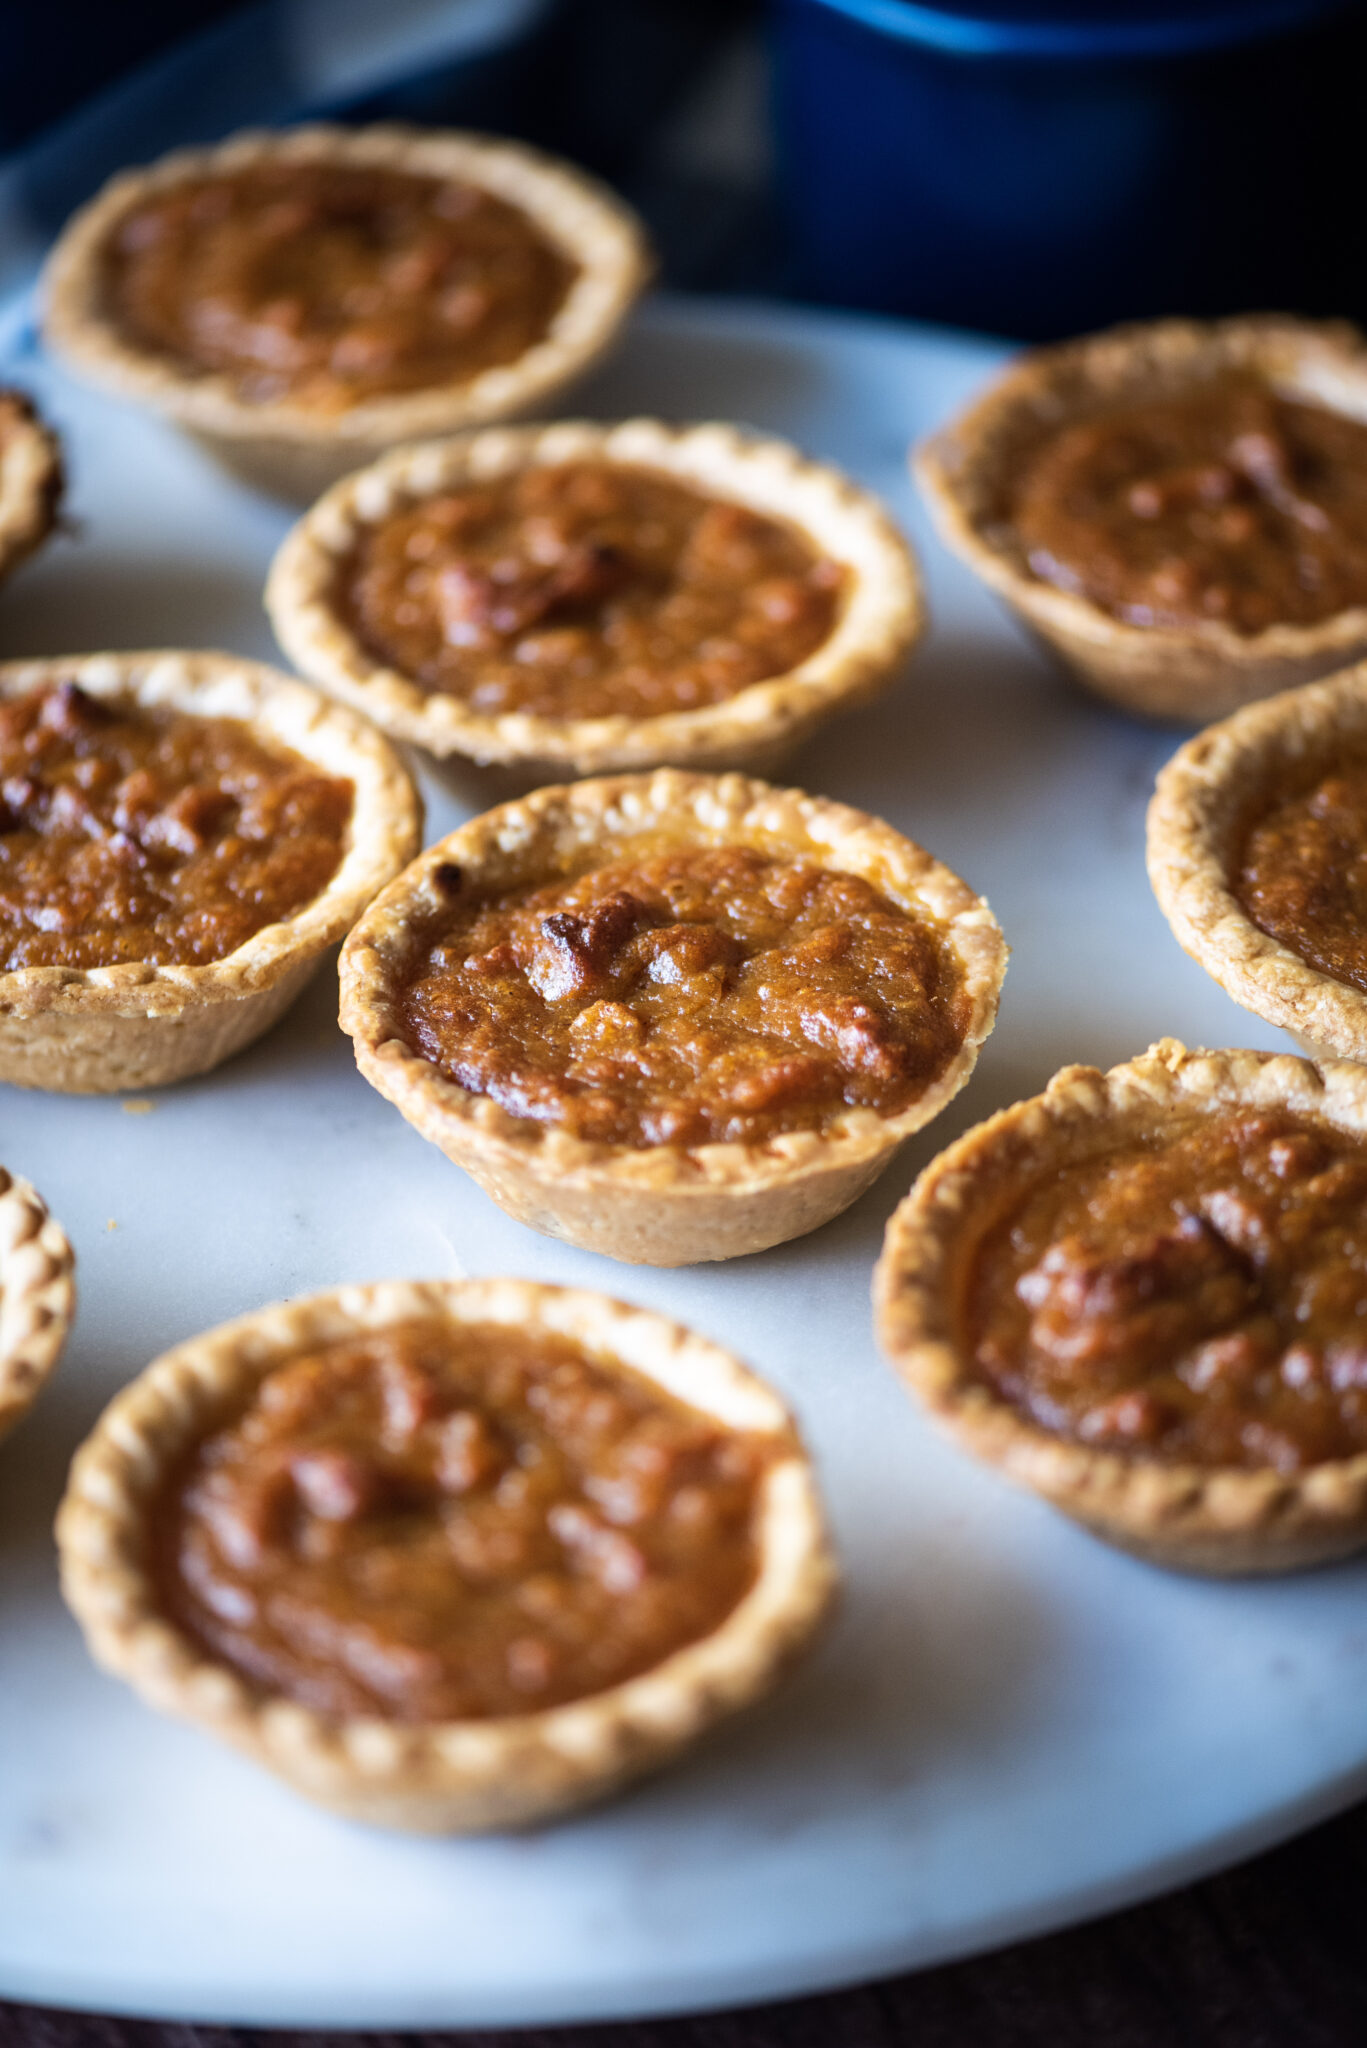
(437, 1521)
(587, 589)
(151, 835)
(1198, 1296)
(329, 283)
(689, 995)
(1225, 503)
(1301, 874)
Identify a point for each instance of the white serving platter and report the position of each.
(1009, 1726)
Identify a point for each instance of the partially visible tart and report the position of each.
(37, 1297)
(30, 480)
(1143, 1294)
(306, 299)
(672, 1017)
(583, 598)
(1256, 839)
(181, 837)
(447, 1556)
(1178, 508)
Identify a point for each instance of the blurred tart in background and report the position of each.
(31, 480)
(37, 1297)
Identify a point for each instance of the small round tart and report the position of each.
(37, 1297)
(672, 1017)
(1142, 1294)
(181, 837)
(1256, 839)
(304, 300)
(585, 598)
(447, 1556)
(30, 480)
(1179, 509)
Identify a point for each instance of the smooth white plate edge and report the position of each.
(781, 343)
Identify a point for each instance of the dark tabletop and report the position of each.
(1272, 1954)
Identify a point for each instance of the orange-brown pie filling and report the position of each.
(1225, 503)
(331, 283)
(584, 589)
(438, 1521)
(151, 835)
(1198, 1295)
(688, 995)
(1301, 873)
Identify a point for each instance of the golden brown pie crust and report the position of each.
(37, 1297)
(285, 446)
(1203, 802)
(103, 1029)
(1192, 674)
(1219, 1520)
(31, 480)
(880, 618)
(663, 1205)
(455, 1776)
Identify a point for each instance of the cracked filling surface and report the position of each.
(436, 1521)
(689, 995)
(1197, 1295)
(588, 589)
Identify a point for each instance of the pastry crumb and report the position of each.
(139, 1105)
(112, 1224)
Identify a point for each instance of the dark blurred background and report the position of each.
(1029, 167)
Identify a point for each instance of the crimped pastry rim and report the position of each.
(500, 849)
(37, 1295)
(575, 1750)
(385, 829)
(1144, 1501)
(1203, 799)
(582, 217)
(1321, 361)
(880, 621)
(31, 481)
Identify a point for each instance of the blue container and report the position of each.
(1039, 169)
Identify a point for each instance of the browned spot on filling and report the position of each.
(1197, 1296)
(438, 1521)
(328, 283)
(1223, 503)
(689, 995)
(586, 589)
(132, 835)
(1301, 873)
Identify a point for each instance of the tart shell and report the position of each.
(37, 1296)
(880, 619)
(1188, 675)
(291, 449)
(31, 483)
(1220, 1520)
(92, 1031)
(455, 1776)
(1204, 800)
(660, 1205)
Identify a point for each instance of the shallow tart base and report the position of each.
(31, 480)
(662, 1205)
(455, 1776)
(37, 1297)
(1222, 1520)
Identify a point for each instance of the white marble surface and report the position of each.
(1008, 1727)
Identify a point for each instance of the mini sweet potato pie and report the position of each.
(1180, 509)
(181, 837)
(303, 300)
(30, 480)
(584, 598)
(1258, 855)
(672, 1017)
(37, 1298)
(1144, 1295)
(447, 1556)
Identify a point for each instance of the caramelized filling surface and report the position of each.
(1301, 874)
(330, 283)
(151, 835)
(689, 995)
(1198, 1295)
(437, 1521)
(1225, 502)
(585, 589)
